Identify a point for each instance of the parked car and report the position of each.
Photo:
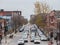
(32, 37)
(25, 37)
(43, 38)
(22, 28)
(39, 32)
(37, 40)
(18, 29)
(21, 42)
(33, 29)
(26, 31)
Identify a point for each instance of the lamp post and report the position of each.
(5, 30)
(58, 33)
(5, 34)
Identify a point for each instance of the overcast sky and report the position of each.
(26, 6)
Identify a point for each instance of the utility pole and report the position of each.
(5, 31)
(58, 33)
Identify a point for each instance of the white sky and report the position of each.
(26, 6)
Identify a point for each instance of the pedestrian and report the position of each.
(49, 43)
(5, 30)
(58, 39)
(51, 37)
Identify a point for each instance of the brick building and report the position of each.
(51, 21)
(5, 16)
(1, 22)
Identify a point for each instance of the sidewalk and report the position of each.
(54, 42)
(8, 40)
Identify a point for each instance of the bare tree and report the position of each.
(41, 8)
(14, 22)
(17, 20)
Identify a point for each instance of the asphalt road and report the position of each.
(17, 37)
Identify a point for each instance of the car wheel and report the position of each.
(32, 40)
(36, 42)
(26, 41)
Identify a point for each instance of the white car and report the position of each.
(32, 37)
(43, 38)
(38, 30)
(22, 28)
(37, 40)
(25, 37)
(26, 31)
(21, 42)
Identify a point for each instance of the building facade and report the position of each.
(51, 21)
(6, 16)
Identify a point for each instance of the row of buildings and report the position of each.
(5, 17)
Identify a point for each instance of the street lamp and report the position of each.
(5, 30)
(58, 33)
